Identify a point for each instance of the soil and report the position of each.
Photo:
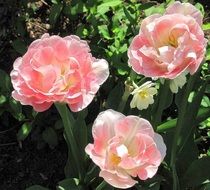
(23, 165)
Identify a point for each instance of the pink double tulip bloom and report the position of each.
(56, 69)
(125, 147)
(169, 44)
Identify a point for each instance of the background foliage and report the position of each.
(32, 148)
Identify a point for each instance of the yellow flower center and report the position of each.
(172, 41)
(143, 94)
(115, 159)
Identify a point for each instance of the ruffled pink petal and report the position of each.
(129, 126)
(117, 181)
(185, 9)
(103, 129)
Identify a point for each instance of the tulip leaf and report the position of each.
(55, 12)
(69, 184)
(197, 173)
(24, 131)
(206, 26)
(50, 137)
(19, 46)
(104, 7)
(114, 97)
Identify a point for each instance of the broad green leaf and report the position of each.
(15, 109)
(103, 30)
(206, 26)
(5, 84)
(114, 97)
(55, 1)
(104, 7)
(129, 16)
(69, 184)
(36, 187)
(80, 133)
(199, 6)
(188, 152)
(19, 46)
(24, 131)
(58, 124)
(205, 101)
(205, 186)
(197, 173)
(49, 135)
(203, 114)
(146, 5)
(55, 13)
(207, 55)
(155, 9)
(3, 99)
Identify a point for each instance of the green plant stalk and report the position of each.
(164, 91)
(101, 185)
(202, 115)
(68, 122)
(123, 100)
(180, 121)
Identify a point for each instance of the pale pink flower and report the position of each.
(125, 147)
(168, 45)
(56, 69)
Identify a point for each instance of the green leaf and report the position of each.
(58, 124)
(49, 135)
(69, 184)
(36, 187)
(205, 101)
(55, 1)
(3, 99)
(5, 84)
(55, 12)
(199, 6)
(146, 5)
(19, 46)
(114, 97)
(206, 26)
(197, 173)
(15, 109)
(24, 131)
(153, 10)
(205, 187)
(80, 132)
(129, 16)
(207, 55)
(104, 7)
(103, 30)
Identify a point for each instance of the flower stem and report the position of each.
(161, 105)
(68, 122)
(101, 185)
(180, 121)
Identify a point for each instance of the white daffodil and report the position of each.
(143, 95)
(177, 83)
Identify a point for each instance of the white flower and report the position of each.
(177, 83)
(143, 95)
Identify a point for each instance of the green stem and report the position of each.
(180, 121)
(123, 100)
(68, 122)
(101, 185)
(203, 114)
(162, 96)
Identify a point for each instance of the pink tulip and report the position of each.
(125, 147)
(56, 69)
(168, 45)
